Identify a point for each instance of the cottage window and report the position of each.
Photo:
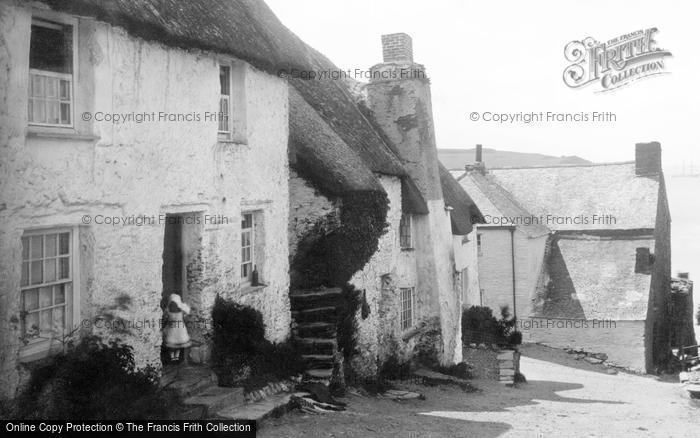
(51, 74)
(406, 231)
(479, 249)
(225, 100)
(407, 306)
(47, 286)
(247, 246)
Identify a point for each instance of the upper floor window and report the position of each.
(406, 231)
(479, 249)
(51, 74)
(225, 100)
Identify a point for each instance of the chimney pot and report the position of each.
(648, 158)
(478, 154)
(397, 47)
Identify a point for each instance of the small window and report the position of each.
(465, 284)
(644, 261)
(479, 250)
(406, 231)
(51, 74)
(46, 285)
(407, 305)
(225, 100)
(247, 246)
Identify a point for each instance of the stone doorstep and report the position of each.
(216, 398)
(506, 364)
(189, 383)
(504, 372)
(505, 355)
(258, 411)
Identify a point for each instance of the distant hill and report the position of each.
(456, 159)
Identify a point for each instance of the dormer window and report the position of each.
(51, 74)
(225, 100)
(406, 231)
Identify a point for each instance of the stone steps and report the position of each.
(317, 346)
(318, 361)
(258, 411)
(212, 400)
(315, 298)
(326, 314)
(315, 330)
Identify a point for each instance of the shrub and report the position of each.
(93, 381)
(480, 326)
(241, 355)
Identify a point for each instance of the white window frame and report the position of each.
(406, 218)
(407, 323)
(39, 347)
(49, 19)
(225, 102)
(251, 239)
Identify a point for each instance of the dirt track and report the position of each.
(563, 397)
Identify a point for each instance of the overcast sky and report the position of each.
(508, 56)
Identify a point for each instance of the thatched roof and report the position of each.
(464, 211)
(570, 191)
(319, 154)
(246, 29)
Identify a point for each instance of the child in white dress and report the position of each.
(175, 332)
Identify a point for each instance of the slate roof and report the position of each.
(496, 203)
(598, 189)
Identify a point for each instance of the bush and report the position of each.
(480, 326)
(93, 381)
(241, 355)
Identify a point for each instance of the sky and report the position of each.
(508, 57)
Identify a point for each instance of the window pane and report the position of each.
(25, 274)
(38, 111)
(38, 85)
(51, 88)
(45, 320)
(46, 296)
(50, 245)
(49, 270)
(65, 90)
(25, 248)
(225, 80)
(63, 268)
(64, 243)
(31, 299)
(65, 114)
(37, 247)
(31, 324)
(59, 321)
(36, 272)
(51, 48)
(52, 111)
(59, 294)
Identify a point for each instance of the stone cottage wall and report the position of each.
(100, 170)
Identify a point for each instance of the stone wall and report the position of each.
(53, 177)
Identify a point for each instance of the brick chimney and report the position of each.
(398, 94)
(479, 158)
(397, 47)
(648, 159)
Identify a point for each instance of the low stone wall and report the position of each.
(492, 363)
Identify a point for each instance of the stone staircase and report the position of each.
(315, 313)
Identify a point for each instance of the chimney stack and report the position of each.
(648, 159)
(397, 47)
(478, 154)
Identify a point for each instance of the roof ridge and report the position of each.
(613, 163)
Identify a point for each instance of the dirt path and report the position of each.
(563, 397)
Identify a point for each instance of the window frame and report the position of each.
(247, 280)
(229, 132)
(406, 221)
(479, 245)
(40, 347)
(407, 324)
(46, 19)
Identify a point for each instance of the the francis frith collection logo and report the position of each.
(616, 62)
